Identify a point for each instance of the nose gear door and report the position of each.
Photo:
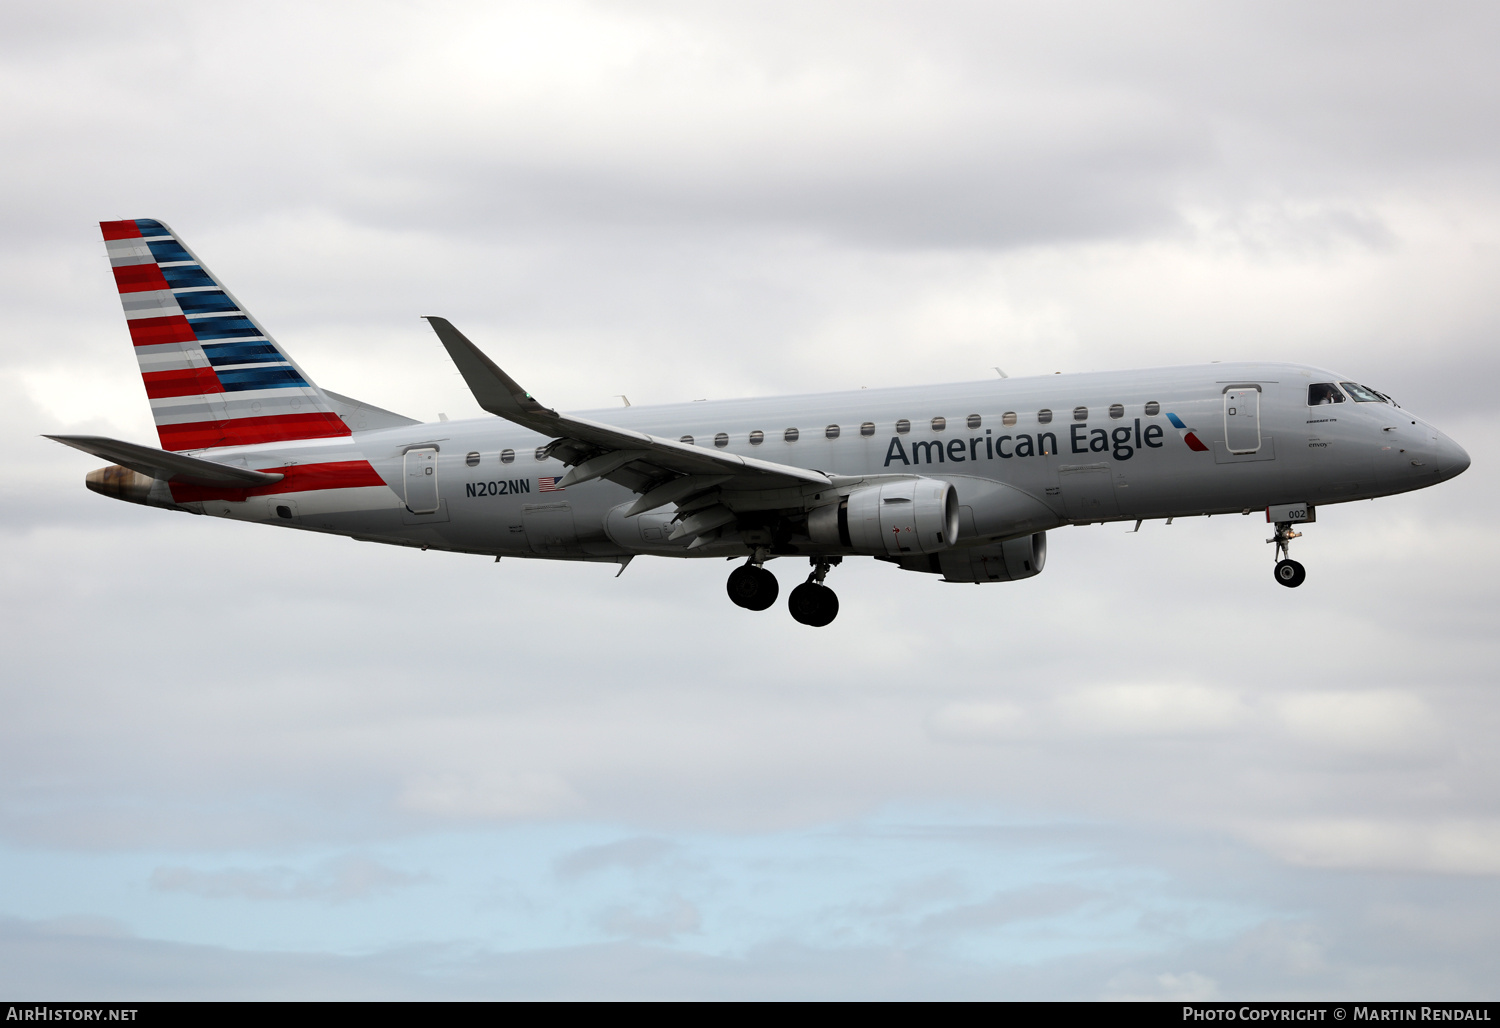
(1242, 419)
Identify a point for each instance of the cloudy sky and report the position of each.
(237, 762)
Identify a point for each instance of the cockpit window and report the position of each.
(1364, 394)
(1323, 392)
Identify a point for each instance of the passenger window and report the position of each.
(1153, 409)
(1362, 394)
(1117, 411)
(832, 431)
(686, 439)
(1008, 418)
(541, 453)
(1080, 413)
(507, 456)
(722, 439)
(867, 429)
(903, 426)
(471, 459)
(1323, 392)
(1044, 416)
(757, 437)
(974, 421)
(791, 435)
(938, 424)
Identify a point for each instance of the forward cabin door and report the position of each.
(1242, 419)
(421, 480)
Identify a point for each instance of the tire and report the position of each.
(752, 588)
(1290, 574)
(813, 604)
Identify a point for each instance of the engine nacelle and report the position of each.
(890, 519)
(1009, 561)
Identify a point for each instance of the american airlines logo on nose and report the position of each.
(1188, 436)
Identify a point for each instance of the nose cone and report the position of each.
(1453, 460)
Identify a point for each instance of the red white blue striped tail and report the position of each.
(214, 375)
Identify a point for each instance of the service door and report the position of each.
(1088, 491)
(421, 480)
(1242, 419)
(549, 527)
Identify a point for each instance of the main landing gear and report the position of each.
(1288, 572)
(752, 586)
(812, 603)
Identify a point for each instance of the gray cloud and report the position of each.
(667, 921)
(338, 881)
(1005, 908)
(632, 854)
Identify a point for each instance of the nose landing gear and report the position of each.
(751, 586)
(1288, 572)
(813, 603)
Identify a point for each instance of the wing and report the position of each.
(709, 487)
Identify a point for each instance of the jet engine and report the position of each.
(890, 519)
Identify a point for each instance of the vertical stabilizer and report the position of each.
(213, 374)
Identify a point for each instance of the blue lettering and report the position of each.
(926, 447)
(1042, 444)
(1121, 438)
(956, 455)
(1024, 447)
(1001, 452)
(895, 451)
(1098, 440)
(1076, 439)
(1153, 436)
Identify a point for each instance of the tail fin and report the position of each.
(214, 375)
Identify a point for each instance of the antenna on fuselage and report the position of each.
(1001, 373)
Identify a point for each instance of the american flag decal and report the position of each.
(549, 485)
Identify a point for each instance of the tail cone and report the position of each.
(120, 484)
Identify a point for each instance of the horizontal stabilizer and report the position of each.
(173, 467)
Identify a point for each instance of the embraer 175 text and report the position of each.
(961, 481)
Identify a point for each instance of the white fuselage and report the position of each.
(1115, 447)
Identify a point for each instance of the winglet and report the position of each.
(496, 391)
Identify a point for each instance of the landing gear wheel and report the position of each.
(752, 588)
(1290, 574)
(813, 604)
